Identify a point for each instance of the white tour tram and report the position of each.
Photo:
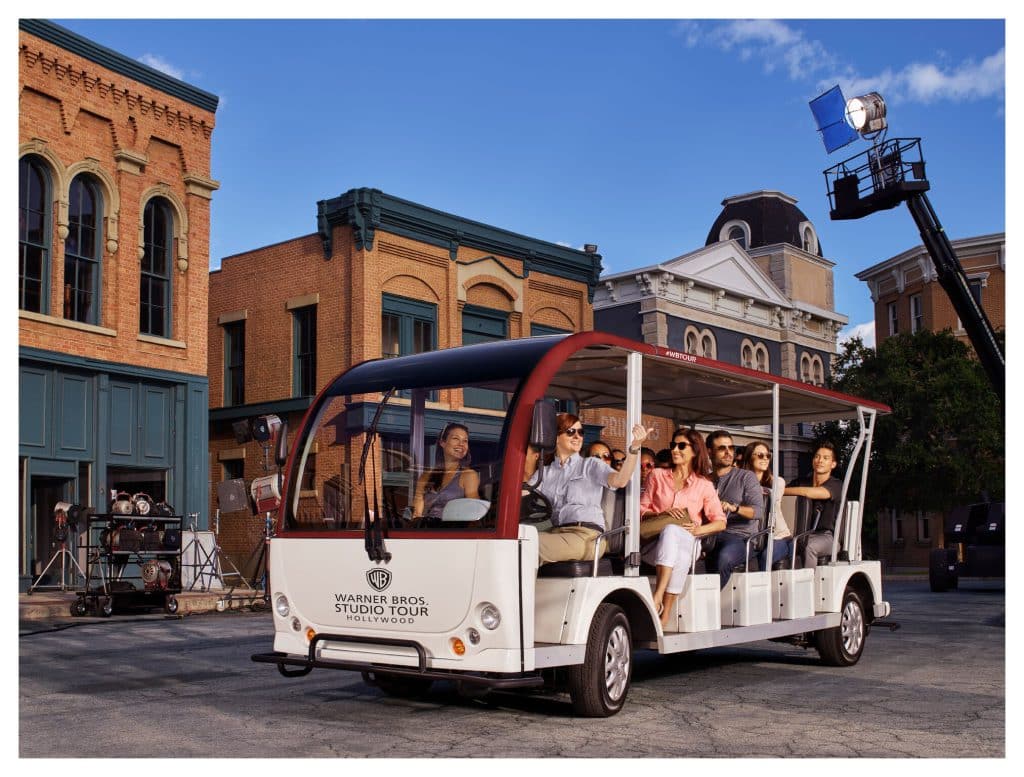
(407, 600)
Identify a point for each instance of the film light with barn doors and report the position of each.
(891, 172)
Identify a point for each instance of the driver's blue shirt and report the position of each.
(575, 489)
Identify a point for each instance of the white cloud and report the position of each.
(163, 66)
(927, 82)
(765, 40)
(865, 331)
(778, 45)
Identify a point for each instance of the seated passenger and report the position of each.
(600, 450)
(619, 458)
(575, 486)
(687, 485)
(451, 477)
(742, 501)
(647, 464)
(758, 458)
(824, 491)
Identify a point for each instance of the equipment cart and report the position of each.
(132, 562)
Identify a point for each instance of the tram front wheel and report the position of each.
(598, 687)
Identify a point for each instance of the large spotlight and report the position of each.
(866, 113)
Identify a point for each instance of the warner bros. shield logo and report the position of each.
(378, 578)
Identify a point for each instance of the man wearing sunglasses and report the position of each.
(742, 500)
(575, 486)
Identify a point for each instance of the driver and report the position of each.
(450, 479)
(573, 485)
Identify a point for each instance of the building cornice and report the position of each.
(119, 63)
(367, 210)
(964, 247)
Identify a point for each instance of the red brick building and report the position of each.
(114, 224)
(380, 277)
(909, 298)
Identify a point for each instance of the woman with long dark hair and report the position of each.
(451, 477)
(687, 496)
(757, 457)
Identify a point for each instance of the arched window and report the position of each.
(737, 234)
(34, 212)
(82, 252)
(817, 371)
(805, 368)
(761, 361)
(808, 240)
(707, 345)
(747, 356)
(692, 339)
(155, 281)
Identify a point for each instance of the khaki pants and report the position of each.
(569, 543)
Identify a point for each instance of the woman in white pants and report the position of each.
(684, 492)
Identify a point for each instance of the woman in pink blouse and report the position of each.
(686, 485)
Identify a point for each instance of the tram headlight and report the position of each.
(490, 616)
(281, 606)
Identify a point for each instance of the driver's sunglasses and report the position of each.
(576, 431)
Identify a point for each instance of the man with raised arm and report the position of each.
(742, 501)
(824, 490)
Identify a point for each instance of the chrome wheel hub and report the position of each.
(852, 628)
(616, 663)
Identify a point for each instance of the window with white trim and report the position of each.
(155, 280)
(916, 313)
(894, 319)
(34, 219)
(83, 252)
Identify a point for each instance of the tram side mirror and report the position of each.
(465, 510)
(281, 447)
(544, 429)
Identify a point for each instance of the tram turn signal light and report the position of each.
(310, 633)
(458, 646)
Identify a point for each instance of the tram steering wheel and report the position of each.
(534, 507)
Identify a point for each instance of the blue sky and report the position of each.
(624, 133)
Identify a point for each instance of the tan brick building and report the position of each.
(114, 214)
(381, 277)
(909, 298)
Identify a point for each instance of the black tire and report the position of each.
(844, 644)
(599, 686)
(170, 605)
(399, 685)
(78, 608)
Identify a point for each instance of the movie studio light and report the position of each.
(890, 172)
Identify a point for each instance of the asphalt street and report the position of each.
(154, 686)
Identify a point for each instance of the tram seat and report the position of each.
(613, 503)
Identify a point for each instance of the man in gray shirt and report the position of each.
(742, 500)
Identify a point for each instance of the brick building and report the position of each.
(760, 293)
(380, 277)
(114, 213)
(909, 298)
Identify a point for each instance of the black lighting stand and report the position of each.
(67, 560)
(891, 172)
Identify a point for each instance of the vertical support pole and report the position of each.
(634, 415)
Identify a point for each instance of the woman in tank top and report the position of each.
(450, 479)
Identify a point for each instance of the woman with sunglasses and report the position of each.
(684, 492)
(758, 459)
(450, 479)
(575, 487)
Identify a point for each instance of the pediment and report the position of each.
(727, 266)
